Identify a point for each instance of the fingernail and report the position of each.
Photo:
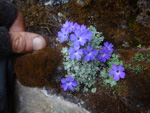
(37, 43)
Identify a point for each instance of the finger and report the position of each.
(18, 25)
(23, 42)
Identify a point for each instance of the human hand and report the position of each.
(24, 42)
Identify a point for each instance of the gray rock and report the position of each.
(36, 100)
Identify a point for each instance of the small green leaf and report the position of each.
(139, 46)
(93, 90)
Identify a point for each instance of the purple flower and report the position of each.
(117, 72)
(63, 34)
(86, 32)
(66, 24)
(89, 35)
(108, 46)
(83, 28)
(79, 38)
(104, 55)
(89, 54)
(68, 83)
(73, 26)
(75, 53)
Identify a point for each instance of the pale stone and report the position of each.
(35, 100)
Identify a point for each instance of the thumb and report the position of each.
(23, 42)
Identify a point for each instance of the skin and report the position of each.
(21, 41)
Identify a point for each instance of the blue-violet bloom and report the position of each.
(75, 53)
(78, 38)
(108, 46)
(89, 35)
(83, 28)
(73, 26)
(89, 54)
(104, 55)
(63, 34)
(68, 83)
(117, 72)
(66, 24)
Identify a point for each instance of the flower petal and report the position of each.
(111, 72)
(69, 78)
(105, 44)
(61, 39)
(74, 83)
(87, 58)
(82, 42)
(63, 30)
(76, 48)
(89, 48)
(98, 57)
(73, 37)
(122, 74)
(66, 24)
(63, 80)
(77, 32)
(114, 67)
(85, 52)
(70, 87)
(120, 68)
(116, 77)
(64, 86)
(78, 56)
(80, 51)
(72, 56)
(92, 57)
(89, 39)
(82, 27)
(76, 43)
(60, 34)
(71, 50)
(94, 52)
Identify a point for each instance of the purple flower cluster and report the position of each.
(79, 38)
(117, 72)
(68, 83)
(79, 35)
(104, 53)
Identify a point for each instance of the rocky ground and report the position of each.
(124, 23)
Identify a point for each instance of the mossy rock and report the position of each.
(38, 69)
